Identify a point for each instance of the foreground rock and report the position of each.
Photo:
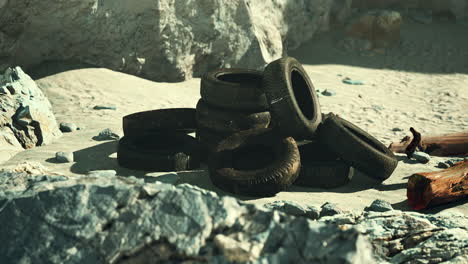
(166, 40)
(52, 219)
(26, 117)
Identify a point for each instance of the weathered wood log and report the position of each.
(426, 189)
(438, 145)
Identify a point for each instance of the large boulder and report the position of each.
(165, 40)
(26, 117)
(49, 218)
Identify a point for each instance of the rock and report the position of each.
(106, 134)
(443, 165)
(328, 92)
(421, 157)
(105, 107)
(348, 80)
(64, 157)
(123, 219)
(379, 206)
(165, 40)
(26, 117)
(102, 173)
(330, 209)
(293, 208)
(381, 28)
(453, 161)
(397, 129)
(68, 127)
(340, 12)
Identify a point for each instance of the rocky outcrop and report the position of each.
(26, 117)
(164, 40)
(101, 218)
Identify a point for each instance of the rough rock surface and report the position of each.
(165, 40)
(26, 117)
(104, 218)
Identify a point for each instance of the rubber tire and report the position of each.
(154, 121)
(226, 121)
(234, 89)
(289, 91)
(258, 182)
(321, 168)
(357, 147)
(159, 152)
(209, 139)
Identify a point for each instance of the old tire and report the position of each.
(159, 152)
(155, 121)
(234, 89)
(256, 162)
(357, 147)
(321, 168)
(226, 121)
(292, 98)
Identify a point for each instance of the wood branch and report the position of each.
(438, 145)
(426, 189)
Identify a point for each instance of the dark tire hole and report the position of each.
(252, 157)
(245, 79)
(302, 94)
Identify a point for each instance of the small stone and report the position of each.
(170, 178)
(68, 127)
(352, 82)
(102, 173)
(330, 209)
(64, 157)
(421, 157)
(397, 129)
(453, 161)
(106, 134)
(443, 165)
(379, 206)
(105, 107)
(329, 92)
(377, 107)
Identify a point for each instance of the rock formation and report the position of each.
(26, 117)
(100, 218)
(164, 40)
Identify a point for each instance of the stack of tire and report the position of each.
(158, 140)
(261, 159)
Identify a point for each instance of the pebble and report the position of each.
(102, 173)
(352, 82)
(443, 165)
(397, 129)
(105, 107)
(377, 107)
(64, 157)
(68, 127)
(379, 206)
(330, 209)
(170, 178)
(293, 208)
(421, 157)
(106, 134)
(453, 161)
(329, 92)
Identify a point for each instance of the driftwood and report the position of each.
(427, 189)
(439, 145)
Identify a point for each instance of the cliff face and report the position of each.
(164, 40)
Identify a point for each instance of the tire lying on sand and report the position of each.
(256, 162)
(228, 121)
(321, 168)
(356, 147)
(234, 89)
(292, 98)
(209, 140)
(159, 152)
(154, 121)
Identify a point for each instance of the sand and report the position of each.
(424, 84)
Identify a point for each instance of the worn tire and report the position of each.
(209, 140)
(159, 152)
(357, 147)
(154, 121)
(321, 168)
(226, 121)
(256, 162)
(234, 89)
(292, 98)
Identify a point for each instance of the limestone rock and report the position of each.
(26, 117)
(165, 40)
(381, 28)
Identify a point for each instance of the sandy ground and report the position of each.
(423, 84)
